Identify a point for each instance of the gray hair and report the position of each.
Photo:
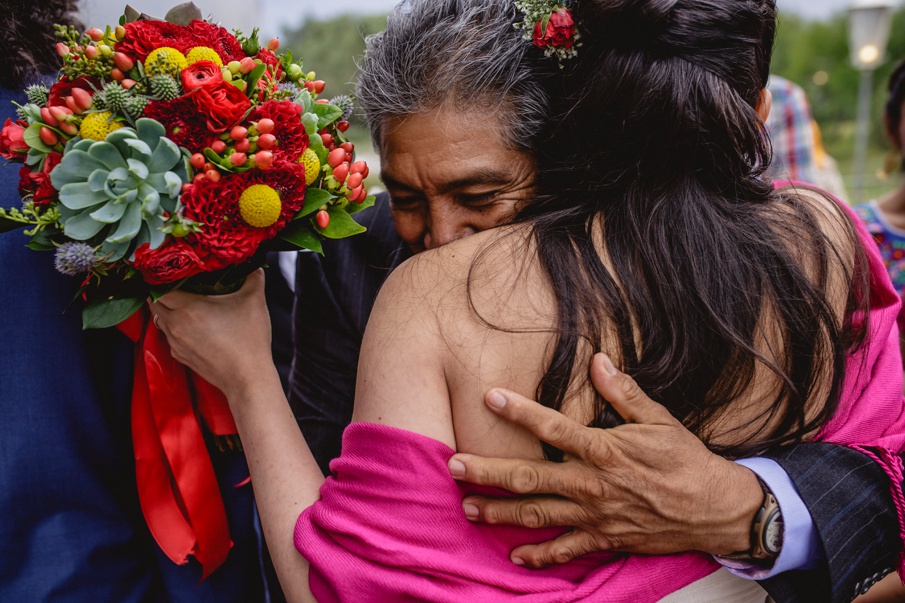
(455, 53)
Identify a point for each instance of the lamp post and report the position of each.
(869, 27)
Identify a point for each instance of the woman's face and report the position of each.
(450, 174)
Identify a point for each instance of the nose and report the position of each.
(446, 224)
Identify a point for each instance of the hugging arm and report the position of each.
(680, 496)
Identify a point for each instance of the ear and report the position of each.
(764, 104)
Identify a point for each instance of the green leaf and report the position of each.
(301, 235)
(341, 225)
(317, 145)
(354, 208)
(315, 198)
(326, 114)
(32, 138)
(109, 312)
(38, 246)
(252, 79)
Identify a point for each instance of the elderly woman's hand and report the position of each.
(223, 338)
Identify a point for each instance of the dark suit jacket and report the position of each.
(847, 494)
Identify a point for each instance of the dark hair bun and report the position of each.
(624, 19)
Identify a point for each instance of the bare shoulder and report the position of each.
(439, 335)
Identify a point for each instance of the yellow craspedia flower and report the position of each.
(165, 61)
(203, 53)
(260, 206)
(96, 127)
(312, 166)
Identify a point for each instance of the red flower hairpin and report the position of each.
(549, 26)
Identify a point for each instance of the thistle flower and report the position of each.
(73, 259)
(165, 87)
(345, 103)
(37, 94)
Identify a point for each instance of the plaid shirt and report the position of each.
(791, 131)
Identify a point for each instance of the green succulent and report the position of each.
(118, 190)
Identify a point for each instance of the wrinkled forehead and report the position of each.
(445, 149)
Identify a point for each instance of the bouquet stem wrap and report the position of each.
(177, 487)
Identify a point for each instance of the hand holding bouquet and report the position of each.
(175, 154)
(172, 154)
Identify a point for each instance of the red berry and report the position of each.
(274, 44)
(218, 146)
(123, 62)
(328, 140)
(361, 197)
(186, 187)
(265, 126)
(347, 146)
(340, 172)
(199, 177)
(263, 159)
(342, 126)
(207, 166)
(95, 34)
(323, 219)
(197, 161)
(319, 86)
(336, 157)
(246, 65)
(127, 83)
(82, 97)
(212, 175)
(91, 52)
(70, 129)
(348, 156)
(243, 146)
(238, 158)
(48, 117)
(322, 101)
(62, 49)
(49, 137)
(359, 167)
(117, 75)
(74, 106)
(267, 141)
(309, 86)
(356, 193)
(238, 132)
(354, 181)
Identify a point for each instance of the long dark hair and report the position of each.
(895, 100)
(27, 43)
(655, 136)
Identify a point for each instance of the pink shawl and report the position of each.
(389, 525)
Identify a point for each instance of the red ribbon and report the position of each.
(177, 486)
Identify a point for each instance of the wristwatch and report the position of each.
(767, 531)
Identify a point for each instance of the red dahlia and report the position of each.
(292, 140)
(142, 37)
(226, 239)
(218, 38)
(184, 124)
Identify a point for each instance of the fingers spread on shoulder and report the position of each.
(532, 512)
(624, 394)
(559, 550)
(545, 423)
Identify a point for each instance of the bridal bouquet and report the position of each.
(174, 154)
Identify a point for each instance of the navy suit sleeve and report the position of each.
(334, 297)
(849, 498)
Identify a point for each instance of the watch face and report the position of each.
(773, 532)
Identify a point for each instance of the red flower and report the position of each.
(202, 74)
(560, 31)
(292, 140)
(222, 106)
(226, 239)
(63, 88)
(37, 183)
(12, 140)
(142, 37)
(270, 59)
(213, 36)
(185, 126)
(167, 264)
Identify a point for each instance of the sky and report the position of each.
(273, 16)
